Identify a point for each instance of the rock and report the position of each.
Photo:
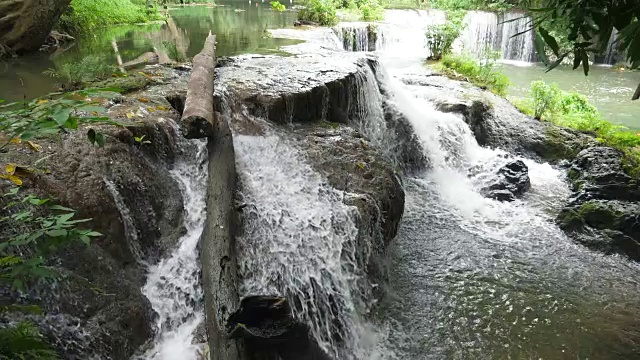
(496, 123)
(117, 186)
(612, 227)
(406, 144)
(513, 182)
(305, 22)
(25, 24)
(604, 211)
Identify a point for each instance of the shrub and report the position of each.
(277, 6)
(440, 38)
(90, 68)
(321, 11)
(372, 11)
(86, 15)
(545, 98)
(481, 73)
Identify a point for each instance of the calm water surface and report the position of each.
(609, 89)
(240, 27)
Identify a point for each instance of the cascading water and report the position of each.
(403, 31)
(173, 285)
(479, 33)
(517, 42)
(477, 278)
(299, 241)
(356, 36)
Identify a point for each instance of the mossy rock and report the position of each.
(126, 84)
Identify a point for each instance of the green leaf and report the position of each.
(57, 232)
(61, 116)
(100, 140)
(585, 62)
(577, 59)
(540, 49)
(64, 218)
(556, 63)
(61, 208)
(91, 134)
(93, 234)
(550, 40)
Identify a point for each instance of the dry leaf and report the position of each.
(144, 100)
(16, 180)
(130, 115)
(151, 109)
(162, 108)
(35, 147)
(10, 168)
(42, 101)
(16, 141)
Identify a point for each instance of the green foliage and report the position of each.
(572, 110)
(321, 11)
(277, 6)
(56, 112)
(171, 48)
(485, 73)
(440, 38)
(588, 27)
(24, 341)
(545, 98)
(91, 67)
(37, 229)
(495, 5)
(371, 10)
(86, 15)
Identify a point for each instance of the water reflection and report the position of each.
(240, 28)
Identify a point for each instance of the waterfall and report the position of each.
(479, 33)
(520, 47)
(299, 241)
(173, 285)
(356, 36)
(403, 32)
(612, 54)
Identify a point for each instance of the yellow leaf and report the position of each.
(130, 115)
(42, 101)
(151, 109)
(162, 108)
(35, 147)
(360, 165)
(16, 180)
(10, 168)
(144, 100)
(16, 141)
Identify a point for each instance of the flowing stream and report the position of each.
(173, 285)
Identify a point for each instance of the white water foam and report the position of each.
(173, 285)
(299, 241)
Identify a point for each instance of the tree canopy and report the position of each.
(590, 26)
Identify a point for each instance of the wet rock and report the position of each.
(604, 212)
(407, 146)
(513, 182)
(295, 89)
(496, 123)
(118, 186)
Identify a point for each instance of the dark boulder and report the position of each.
(604, 211)
(513, 181)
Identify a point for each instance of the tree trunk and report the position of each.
(25, 24)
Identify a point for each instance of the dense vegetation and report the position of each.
(85, 15)
(325, 12)
(484, 74)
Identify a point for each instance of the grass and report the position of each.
(484, 74)
(572, 110)
(85, 15)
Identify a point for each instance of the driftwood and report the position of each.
(148, 58)
(197, 118)
(217, 255)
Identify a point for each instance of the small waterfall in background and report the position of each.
(479, 33)
(173, 285)
(357, 36)
(299, 241)
(521, 47)
(403, 32)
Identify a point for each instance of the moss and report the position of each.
(556, 148)
(125, 84)
(328, 124)
(596, 214)
(631, 162)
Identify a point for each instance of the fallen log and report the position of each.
(197, 118)
(217, 253)
(148, 58)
